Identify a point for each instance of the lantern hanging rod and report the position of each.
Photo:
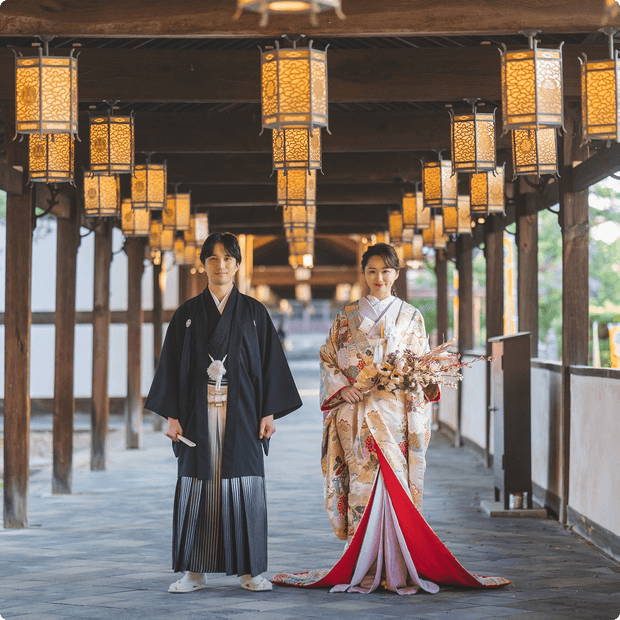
(293, 38)
(472, 101)
(46, 38)
(609, 32)
(530, 34)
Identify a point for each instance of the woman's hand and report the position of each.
(173, 430)
(267, 427)
(352, 395)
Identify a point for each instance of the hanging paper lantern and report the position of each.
(531, 81)
(395, 225)
(415, 215)
(487, 192)
(111, 144)
(155, 232)
(278, 7)
(176, 215)
(46, 99)
(102, 195)
(473, 141)
(201, 228)
(439, 184)
(179, 249)
(134, 222)
(534, 152)
(295, 149)
(148, 187)
(600, 108)
(50, 158)
(417, 245)
(294, 88)
(297, 188)
(434, 237)
(457, 220)
(167, 240)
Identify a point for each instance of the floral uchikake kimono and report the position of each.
(373, 460)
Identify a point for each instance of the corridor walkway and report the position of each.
(104, 552)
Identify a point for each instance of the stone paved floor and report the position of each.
(104, 552)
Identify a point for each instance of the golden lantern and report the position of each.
(201, 228)
(600, 108)
(167, 240)
(134, 222)
(473, 140)
(156, 229)
(176, 215)
(395, 225)
(457, 220)
(415, 215)
(532, 95)
(50, 158)
(189, 235)
(298, 221)
(434, 237)
(487, 192)
(297, 188)
(294, 88)
(417, 245)
(267, 7)
(439, 184)
(534, 151)
(111, 144)
(295, 149)
(148, 187)
(155, 256)
(46, 99)
(179, 249)
(102, 195)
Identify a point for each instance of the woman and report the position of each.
(374, 446)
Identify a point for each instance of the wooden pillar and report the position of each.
(185, 285)
(527, 266)
(494, 258)
(68, 241)
(100, 410)
(158, 322)
(575, 223)
(134, 248)
(441, 272)
(464, 257)
(401, 285)
(17, 321)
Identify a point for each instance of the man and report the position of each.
(221, 381)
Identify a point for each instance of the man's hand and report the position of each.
(173, 430)
(267, 427)
(352, 395)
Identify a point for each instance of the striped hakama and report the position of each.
(220, 525)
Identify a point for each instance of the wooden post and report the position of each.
(184, 283)
(494, 255)
(134, 248)
(441, 272)
(527, 269)
(401, 284)
(575, 223)
(158, 321)
(464, 257)
(100, 411)
(68, 241)
(17, 320)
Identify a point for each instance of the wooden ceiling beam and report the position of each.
(208, 196)
(331, 219)
(239, 132)
(403, 18)
(361, 75)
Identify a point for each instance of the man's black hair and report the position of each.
(228, 240)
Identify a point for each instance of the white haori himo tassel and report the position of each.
(378, 356)
(216, 371)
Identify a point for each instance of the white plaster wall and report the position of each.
(473, 417)
(594, 491)
(545, 427)
(448, 407)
